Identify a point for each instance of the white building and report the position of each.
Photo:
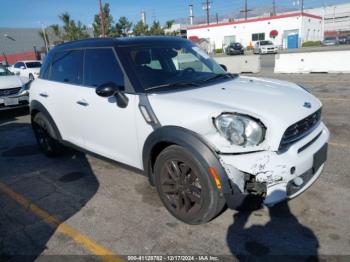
(296, 27)
(336, 17)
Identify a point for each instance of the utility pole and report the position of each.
(191, 14)
(246, 10)
(206, 7)
(302, 6)
(217, 18)
(102, 18)
(274, 7)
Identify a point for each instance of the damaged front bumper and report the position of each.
(276, 176)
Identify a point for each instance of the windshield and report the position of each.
(266, 43)
(4, 71)
(236, 45)
(330, 39)
(33, 64)
(172, 65)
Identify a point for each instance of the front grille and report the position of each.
(9, 91)
(299, 130)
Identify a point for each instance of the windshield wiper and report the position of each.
(175, 84)
(217, 76)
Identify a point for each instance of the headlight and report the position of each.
(240, 130)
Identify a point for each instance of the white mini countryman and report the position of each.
(205, 138)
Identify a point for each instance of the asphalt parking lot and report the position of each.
(81, 205)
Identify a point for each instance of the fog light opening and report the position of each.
(298, 181)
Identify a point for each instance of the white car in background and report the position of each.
(13, 90)
(28, 68)
(265, 47)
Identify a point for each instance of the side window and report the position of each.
(45, 68)
(67, 67)
(101, 66)
(259, 36)
(19, 64)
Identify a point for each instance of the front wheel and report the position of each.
(44, 134)
(185, 186)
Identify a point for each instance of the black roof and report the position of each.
(122, 41)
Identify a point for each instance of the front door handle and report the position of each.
(44, 95)
(82, 102)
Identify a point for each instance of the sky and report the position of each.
(30, 13)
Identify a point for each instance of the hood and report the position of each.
(277, 104)
(11, 81)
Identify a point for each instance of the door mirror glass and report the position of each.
(106, 90)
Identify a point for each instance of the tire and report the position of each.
(31, 77)
(185, 187)
(44, 134)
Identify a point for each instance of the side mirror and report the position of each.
(22, 67)
(106, 90)
(224, 67)
(111, 89)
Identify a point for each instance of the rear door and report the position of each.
(109, 130)
(61, 94)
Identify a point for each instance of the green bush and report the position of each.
(312, 43)
(218, 51)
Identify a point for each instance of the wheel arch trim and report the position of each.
(37, 106)
(190, 140)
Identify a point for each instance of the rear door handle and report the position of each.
(44, 95)
(82, 102)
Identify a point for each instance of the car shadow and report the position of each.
(60, 186)
(282, 238)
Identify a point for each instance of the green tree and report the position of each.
(123, 26)
(108, 22)
(140, 29)
(72, 30)
(56, 31)
(169, 24)
(156, 29)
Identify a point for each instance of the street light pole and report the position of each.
(45, 38)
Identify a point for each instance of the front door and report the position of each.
(109, 130)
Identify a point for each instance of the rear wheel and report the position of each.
(31, 77)
(44, 134)
(185, 187)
